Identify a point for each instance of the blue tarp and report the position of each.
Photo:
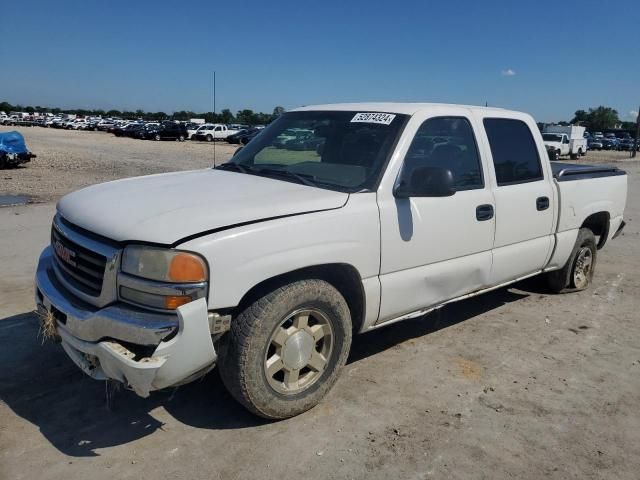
(12, 142)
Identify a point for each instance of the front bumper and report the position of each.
(99, 340)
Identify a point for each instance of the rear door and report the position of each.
(524, 197)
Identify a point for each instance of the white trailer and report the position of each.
(566, 140)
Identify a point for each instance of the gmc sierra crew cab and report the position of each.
(266, 265)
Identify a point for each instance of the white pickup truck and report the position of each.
(267, 264)
(565, 140)
(212, 131)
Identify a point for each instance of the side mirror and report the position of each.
(424, 182)
(237, 151)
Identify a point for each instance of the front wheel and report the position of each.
(209, 138)
(181, 138)
(157, 137)
(577, 273)
(285, 351)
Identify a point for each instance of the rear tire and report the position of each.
(577, 274)
(285, 351)
(157, 138)
(181, 138)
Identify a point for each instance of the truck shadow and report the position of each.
(41, 385)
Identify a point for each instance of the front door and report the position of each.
(437, 248)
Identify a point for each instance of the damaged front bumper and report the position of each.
(102, 341)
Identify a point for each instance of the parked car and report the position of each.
(236, 138)
(247, 138)
(609, 143)
(153, 281)
(78, 124)
(596, 144)
(13, 150)
(104, 125)
(213, 131)
(626, 144)
(164, 131)
(192, 128)
(128, 130)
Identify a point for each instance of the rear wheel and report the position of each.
(577, 273)
(285, 351)
(157, 137)
(181, 138)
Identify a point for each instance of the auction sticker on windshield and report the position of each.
(381, 118)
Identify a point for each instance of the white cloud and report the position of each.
(508, 72)
(633, 114)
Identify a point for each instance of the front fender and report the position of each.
(243, 257)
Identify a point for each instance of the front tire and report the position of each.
(577, 274)
(285, 351)
(157, 138)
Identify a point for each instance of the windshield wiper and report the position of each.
(306, 179)
(232, 166)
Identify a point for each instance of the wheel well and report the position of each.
(343, 277)
(598, 223)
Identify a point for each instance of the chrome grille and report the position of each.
(81, 267)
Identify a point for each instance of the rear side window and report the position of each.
(514, 151)
(448, 142)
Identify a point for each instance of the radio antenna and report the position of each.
(214, 116)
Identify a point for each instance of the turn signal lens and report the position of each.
(185, 267)
(174, 301)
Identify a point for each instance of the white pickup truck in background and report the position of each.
(567, 140)
(212, 131)
(267, 264)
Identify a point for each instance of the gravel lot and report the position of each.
(517, 383)
(68, 160)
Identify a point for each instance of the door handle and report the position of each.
(542, 203)
(484, 212)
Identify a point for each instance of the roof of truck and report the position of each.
(391, 107)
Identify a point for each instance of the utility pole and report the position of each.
(635, 143)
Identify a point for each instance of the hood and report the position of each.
(168, 207)
(553, 144)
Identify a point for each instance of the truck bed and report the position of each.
(601, 188)
(566, 172)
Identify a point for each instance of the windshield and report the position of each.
(338, 150)
(550, 137)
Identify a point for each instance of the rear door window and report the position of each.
(514, 151)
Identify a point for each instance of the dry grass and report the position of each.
(48, 328)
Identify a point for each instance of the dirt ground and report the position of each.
(517, 383)
(68, 160)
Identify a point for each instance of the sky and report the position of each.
(548, 58)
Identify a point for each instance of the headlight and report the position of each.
(164, 265)
(161, 279)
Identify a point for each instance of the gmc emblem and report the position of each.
(64, 253)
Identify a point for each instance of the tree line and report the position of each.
(595, 119)
(600, 118)
(245, 116)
